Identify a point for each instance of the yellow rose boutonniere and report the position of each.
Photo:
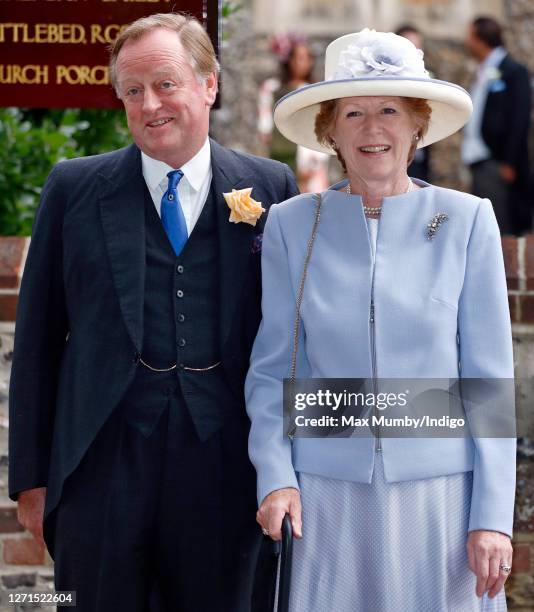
(243, 207)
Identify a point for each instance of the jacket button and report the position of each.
(181, 318)
(180, 269)
(180, 293)
(182, 342)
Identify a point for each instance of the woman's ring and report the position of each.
(266, 532)
(505, 568)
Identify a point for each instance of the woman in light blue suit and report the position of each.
(393, 278)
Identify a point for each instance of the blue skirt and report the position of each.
(386, 547)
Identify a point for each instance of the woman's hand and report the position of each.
(273, 509)
(486, 551)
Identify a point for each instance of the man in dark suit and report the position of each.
(138, 308)
(495, 145)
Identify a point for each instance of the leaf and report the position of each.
(32, 141)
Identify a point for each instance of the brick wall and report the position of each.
(23, 564)
(519, 262)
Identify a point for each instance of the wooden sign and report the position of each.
(54, 53)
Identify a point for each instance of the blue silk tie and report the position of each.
(172, 215)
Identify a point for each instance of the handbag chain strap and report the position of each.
(296, 328)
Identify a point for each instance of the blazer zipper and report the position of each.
(372, 329)
(378, 446)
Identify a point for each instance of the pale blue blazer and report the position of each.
(437, 303)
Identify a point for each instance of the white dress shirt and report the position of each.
(193, 188)
(474, 148)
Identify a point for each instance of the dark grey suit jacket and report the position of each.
(506, 119)
(80, 315)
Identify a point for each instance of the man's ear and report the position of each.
(212, 85)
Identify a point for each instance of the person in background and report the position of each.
(296, 70)
(420, 166)
(495, 144)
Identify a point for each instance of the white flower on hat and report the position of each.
(380, 54)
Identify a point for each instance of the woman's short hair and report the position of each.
(419, 109)
(192, 35)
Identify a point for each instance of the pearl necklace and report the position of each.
(377, 210)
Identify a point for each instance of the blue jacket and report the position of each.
(437, 304)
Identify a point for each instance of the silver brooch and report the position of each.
(435, 224)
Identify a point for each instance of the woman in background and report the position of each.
(296, 70)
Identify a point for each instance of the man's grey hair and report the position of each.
(192, 35)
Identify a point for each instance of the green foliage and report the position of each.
(229, 8)
(32, 141)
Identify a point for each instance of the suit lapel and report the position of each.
(123, 219)
(235, 239)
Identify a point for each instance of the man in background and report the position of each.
(495, 145)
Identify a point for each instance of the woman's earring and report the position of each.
(415, 137)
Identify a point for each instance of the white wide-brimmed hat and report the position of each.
(370, 63)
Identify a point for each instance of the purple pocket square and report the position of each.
(256, 244)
